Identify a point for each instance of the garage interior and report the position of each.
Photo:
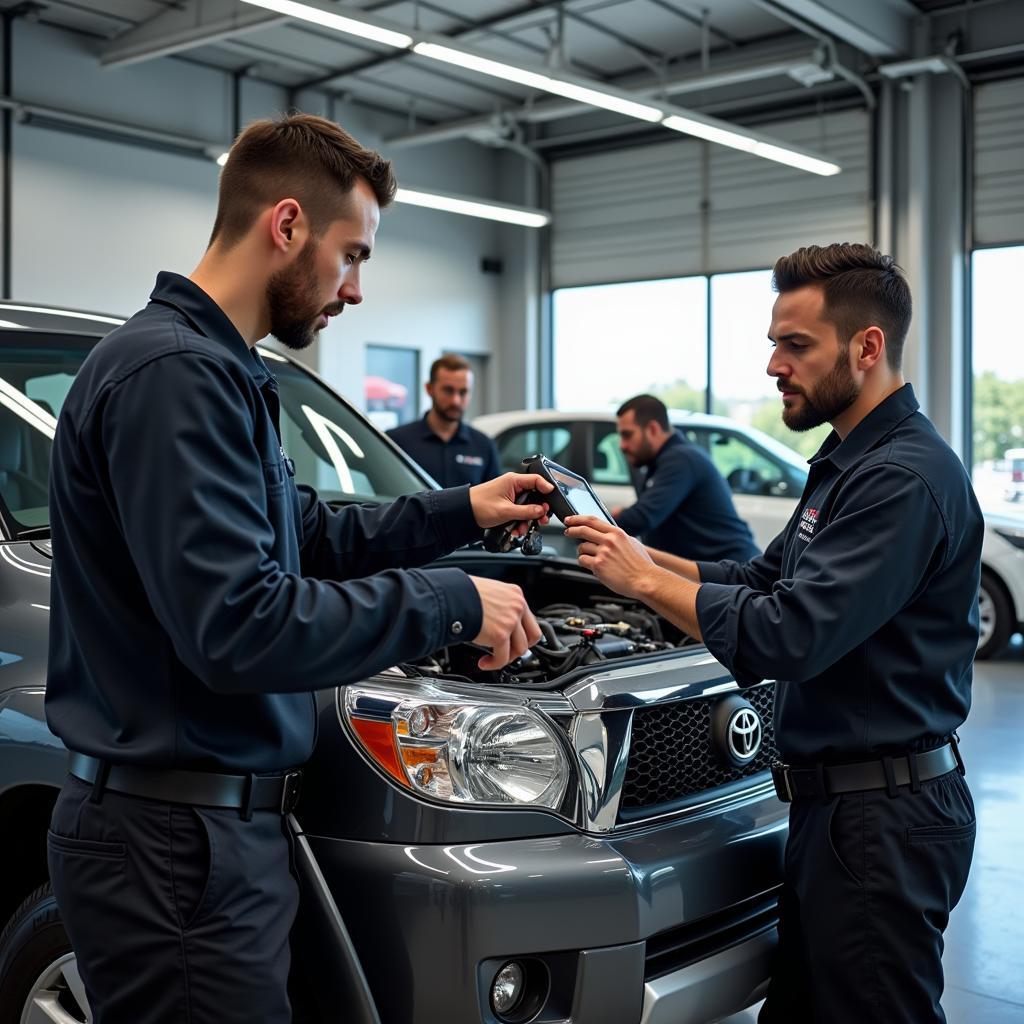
(895, 122)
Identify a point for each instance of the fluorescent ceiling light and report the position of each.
(524, 216)
(222, 159)
(327, 18)
(535, 80)
(900, 69)
(726, 136)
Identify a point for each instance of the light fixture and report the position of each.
(581, 90)
(559, 86)
(329, 19)
(935, 65)
(726, 135)
(524, 216)
(222, 159)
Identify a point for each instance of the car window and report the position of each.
(746, 469)
(516, 443)
(608, 464)
(334, 449)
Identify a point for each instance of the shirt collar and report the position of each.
(208, 319)
(462, 434)
(674, 439)
(882, 420)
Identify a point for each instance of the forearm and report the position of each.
(671, 596)
(680, 566)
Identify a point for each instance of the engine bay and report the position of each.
(573, 636)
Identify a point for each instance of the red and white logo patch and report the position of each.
(808, 523)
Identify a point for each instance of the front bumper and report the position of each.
(672, 922)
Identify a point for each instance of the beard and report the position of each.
(449, 413)
(834, 394)
(643, 456)
(294, 303)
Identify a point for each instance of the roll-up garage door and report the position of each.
(635, 213)
(999, 163)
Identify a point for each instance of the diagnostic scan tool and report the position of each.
(572, 496)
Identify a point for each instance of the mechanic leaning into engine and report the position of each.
(198, 596)
(683, 506)
(865, 611)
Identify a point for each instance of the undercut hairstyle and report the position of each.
(863, 288)
(299, 156)
(646, 409)
(449, 361)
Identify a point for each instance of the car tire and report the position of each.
(997, 619)
(37, 962)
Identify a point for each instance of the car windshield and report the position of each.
(334, 449)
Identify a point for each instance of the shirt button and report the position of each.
(456, 627)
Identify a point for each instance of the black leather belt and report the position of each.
(888, 773)
(243, 793)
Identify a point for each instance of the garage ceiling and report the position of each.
(669, 45)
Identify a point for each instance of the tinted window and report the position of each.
(333, 448)
(517, 443)
(747, 469)
(609, 465)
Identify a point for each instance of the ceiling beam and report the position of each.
(880, 28)
(195, 23)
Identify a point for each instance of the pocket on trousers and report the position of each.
(941, 833)
(846, 836)
(85, 847)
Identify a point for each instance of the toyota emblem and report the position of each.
(744, 735)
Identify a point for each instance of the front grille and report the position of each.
(671, 755)
(678, 947)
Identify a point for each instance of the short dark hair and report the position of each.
(301, 155)
(862, 286)
(646, 408)
(449, 361)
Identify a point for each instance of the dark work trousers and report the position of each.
(869, 884)
(177, 915)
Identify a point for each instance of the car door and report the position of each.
(764, 489)
(608, 470)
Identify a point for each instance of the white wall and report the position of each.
(94, 219)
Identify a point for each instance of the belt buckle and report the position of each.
(290, 789)
(780, 779)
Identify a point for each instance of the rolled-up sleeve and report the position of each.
(885, 537)
(188, 495)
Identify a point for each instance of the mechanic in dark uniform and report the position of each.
(865, 611)
(447, 447)
(684, 506)
(199, 596)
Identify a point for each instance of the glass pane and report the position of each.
(746, 470)
(998, 305)
(741, 314)
(610, 465)
(520, 442)
(391, 385)
(614, 341)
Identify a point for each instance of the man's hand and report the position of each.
(619, 561)
(494, 502)
(509, 627)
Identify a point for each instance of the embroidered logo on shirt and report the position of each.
(808, 521)
(470, 460)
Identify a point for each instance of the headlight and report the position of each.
(1015, 537)
(460, 750)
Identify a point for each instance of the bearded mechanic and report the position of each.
(865, 612)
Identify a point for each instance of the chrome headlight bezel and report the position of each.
(423, 736)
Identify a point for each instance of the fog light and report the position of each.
(507, 989)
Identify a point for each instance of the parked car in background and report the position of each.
(766, 479)
(1015, 463)
(590, 834)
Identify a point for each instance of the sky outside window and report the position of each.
(615, 341)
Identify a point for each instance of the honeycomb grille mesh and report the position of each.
(671, 755)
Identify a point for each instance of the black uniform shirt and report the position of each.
(685, 507)
(470, 457)
(865, 609)
(193, 595)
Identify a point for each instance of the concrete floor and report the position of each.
(984, 957)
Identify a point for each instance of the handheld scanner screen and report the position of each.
(578, 493)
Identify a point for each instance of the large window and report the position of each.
(998, 347)
(741, 314)
(615, 341)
